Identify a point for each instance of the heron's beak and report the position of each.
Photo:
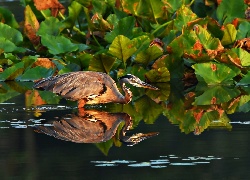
(145, 85)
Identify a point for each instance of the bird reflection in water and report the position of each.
(93, 126)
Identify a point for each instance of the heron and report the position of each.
(89, 87)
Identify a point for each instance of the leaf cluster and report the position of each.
(161, 38)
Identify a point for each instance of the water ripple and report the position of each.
(162, 162)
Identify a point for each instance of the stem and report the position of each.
(74, 27)
(190, 4)
(161, 26)
(44, 15)
(90, 25)
(153, 11)
(96, 40)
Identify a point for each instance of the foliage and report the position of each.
(115, 36)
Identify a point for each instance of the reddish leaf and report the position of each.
(53, 5)
(247, 2)
(44, 62)
(31, 26)
(33, 98)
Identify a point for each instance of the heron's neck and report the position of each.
(127, 93)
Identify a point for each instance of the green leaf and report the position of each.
(150, 112)
(85, 60)
(122, 48)
(51, 26)
(10, 34)
(150, 9)
(245, 80)
(172, 5)
(8, 46)
(104, 147)
(243, 30)
(207, 117)
(8, 18)
(216, 95)
(101, 63)
(75, 9)
(230, 9)
(125, 27)
(69, 68)
(113, 20)
(241, 54)
(12, 72)
(85, 3)
(229, 35)
(158, 75)
(183, 44)
(82, 47)
(99, 7)
(49, 97)
(159, 95)
(244, 104)
(141, 43)
(6, 92)
(20, 87)
(59, 64)
(35, 73)
(146, 56)
(206, 39)
(58, 44)
(184, 15)
(214, 73)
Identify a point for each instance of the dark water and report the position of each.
(26, 154)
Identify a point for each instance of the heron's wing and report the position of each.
(76, 85)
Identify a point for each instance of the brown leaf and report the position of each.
(235, 61)
(160, 62)
(53, 5)
(44, 62)
(198, 46)
(247, 2)
(31, 26)
(224, 57)
(33, 98)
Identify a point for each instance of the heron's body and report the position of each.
(88, 87)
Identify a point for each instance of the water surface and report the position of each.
(25, 154)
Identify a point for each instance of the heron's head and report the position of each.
(135, 81)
